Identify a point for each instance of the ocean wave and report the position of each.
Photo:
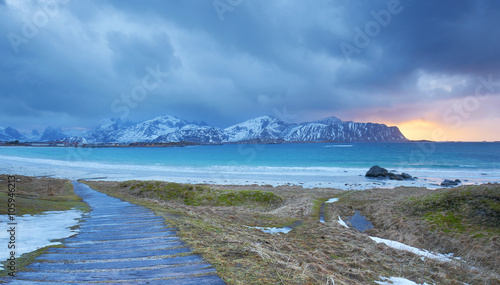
(339, 145)
(314, 176)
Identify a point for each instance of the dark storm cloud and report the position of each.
(132, 53)
(252, 59)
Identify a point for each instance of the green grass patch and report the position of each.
(32, 205)
(197, 195)
(316, 207)
(469, 209)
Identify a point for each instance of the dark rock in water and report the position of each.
(394, 176)
(448, 182)
(406, 176)
(376, 171)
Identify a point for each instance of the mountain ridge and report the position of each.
(167, 128)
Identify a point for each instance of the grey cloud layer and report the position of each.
(263, 56)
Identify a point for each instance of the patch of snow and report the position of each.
(272, 230)
(342, 223)
(423, 253)
(34, 232)
(396, 281)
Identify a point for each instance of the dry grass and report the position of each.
(398, 214)
(313, 253)
(36, 195)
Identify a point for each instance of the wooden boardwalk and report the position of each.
(119, 243)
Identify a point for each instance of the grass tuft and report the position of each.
(198, 195)
(461, 209)
(37, 195)
(313, 253)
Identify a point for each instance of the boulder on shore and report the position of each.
(380, 172)
(406, 176)
(394, 176)
(377, 171)
(448, 182)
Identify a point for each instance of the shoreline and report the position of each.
(338, 166)
(306, 177)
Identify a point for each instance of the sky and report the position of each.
(432, 68)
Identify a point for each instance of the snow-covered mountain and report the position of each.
(150, 130)
(160, 129)
(195, 133)
(52, 134)
(262, 129)
(330, 129)
(10, 134)
(34, 136)
(107, 131)
(334, 129)
(57, 134)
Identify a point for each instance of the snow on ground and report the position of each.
(273, 230)
(34, 232)
(396, 281)
(342, 223)
(423, 253)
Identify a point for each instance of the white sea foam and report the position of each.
(336, 177)
(339, 145)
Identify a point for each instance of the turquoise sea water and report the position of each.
(312, 164)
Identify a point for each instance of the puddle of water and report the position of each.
(360, 222)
